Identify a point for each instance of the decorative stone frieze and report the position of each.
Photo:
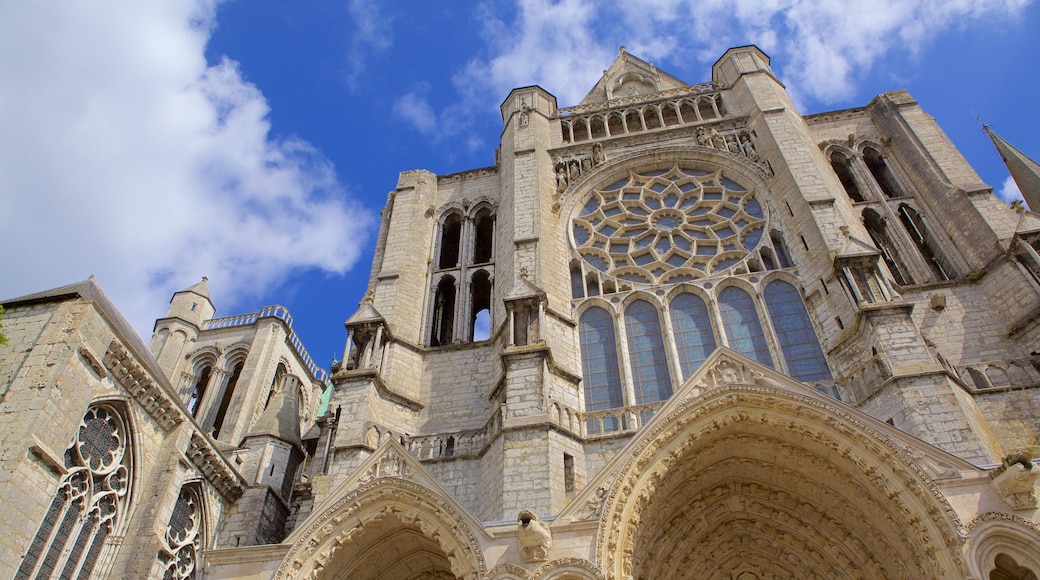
(132, 377)
(214, 468)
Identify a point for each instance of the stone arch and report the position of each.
(996, 534)
(749, 474)
(388, 520)
(567, 569)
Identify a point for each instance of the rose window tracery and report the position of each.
(183, 536)
(668, 226)
(89, 501)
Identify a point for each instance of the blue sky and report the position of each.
(153, 143)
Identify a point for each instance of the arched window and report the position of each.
(914, 225)
(483, 236)
(198, 391)
(443, 312)
(184, 533)
(451, 234)
(92, 498)
(795, 333)
(781, 249)
(278, 373)
(882, 174)
(599, 361)
(691, 324)
(225, 401)
(577, 284)
(480, 317)
(646, 353)
(876, 228)
(840, 163)
(744, 331)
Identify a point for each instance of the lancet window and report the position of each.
(599, 358)
(646, 353)
(694, 338)
(840, 163)
(178, 556)
(198, 391)
(91, 500)
(741, 324)
(225, 400)
(461, 286)
(881, 173)
(794, 332)
(915, 227)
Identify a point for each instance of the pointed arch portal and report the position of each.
(752, 481)
(387, 529)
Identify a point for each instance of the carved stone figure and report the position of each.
(533, 537)
(718, 141)
(749, 148)
(702, 137)
(597, 154)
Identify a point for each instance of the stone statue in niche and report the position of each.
(533, 537)
(749, 148)
(575, 170)
(561, 177)
(718, 141)
(597, 154)
(702, 137)
(732, 146)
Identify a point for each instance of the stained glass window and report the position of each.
(691, 324)
(88, 502)
(646, 353)
(183, 536)
(794, 332)
(660, 225)
(744, 331)
(599, 360)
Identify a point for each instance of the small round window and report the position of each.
(667, 226)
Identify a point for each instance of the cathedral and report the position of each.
(676, 331)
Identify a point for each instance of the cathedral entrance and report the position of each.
(389, 550)
(752, 482)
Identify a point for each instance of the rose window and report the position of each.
(668, 226)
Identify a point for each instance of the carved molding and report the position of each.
(132, 377)
(410, 503)
(214, 468)
(908, 492)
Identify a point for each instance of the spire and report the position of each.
(281, 418)
(1024, 170)
(201, 289)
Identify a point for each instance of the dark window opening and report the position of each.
(443, 312)
(780, 249)
(451, 233)
(914, 225)
(841, 166)
(577, 284)
(198, 391)
(876, 229)
(593, 285)
(480, 319)
(484, 237)
(882, 174)
(225, 401)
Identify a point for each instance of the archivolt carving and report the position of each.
(508, 572)
(570, 566)
(824, 441)
(412, 504)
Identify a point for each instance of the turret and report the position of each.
(188, 310)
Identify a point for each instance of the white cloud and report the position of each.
(126, 156)
(1009, 190)
(415, 109)
(822, 47)
(372, 35)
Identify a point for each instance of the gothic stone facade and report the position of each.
(676, 331)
